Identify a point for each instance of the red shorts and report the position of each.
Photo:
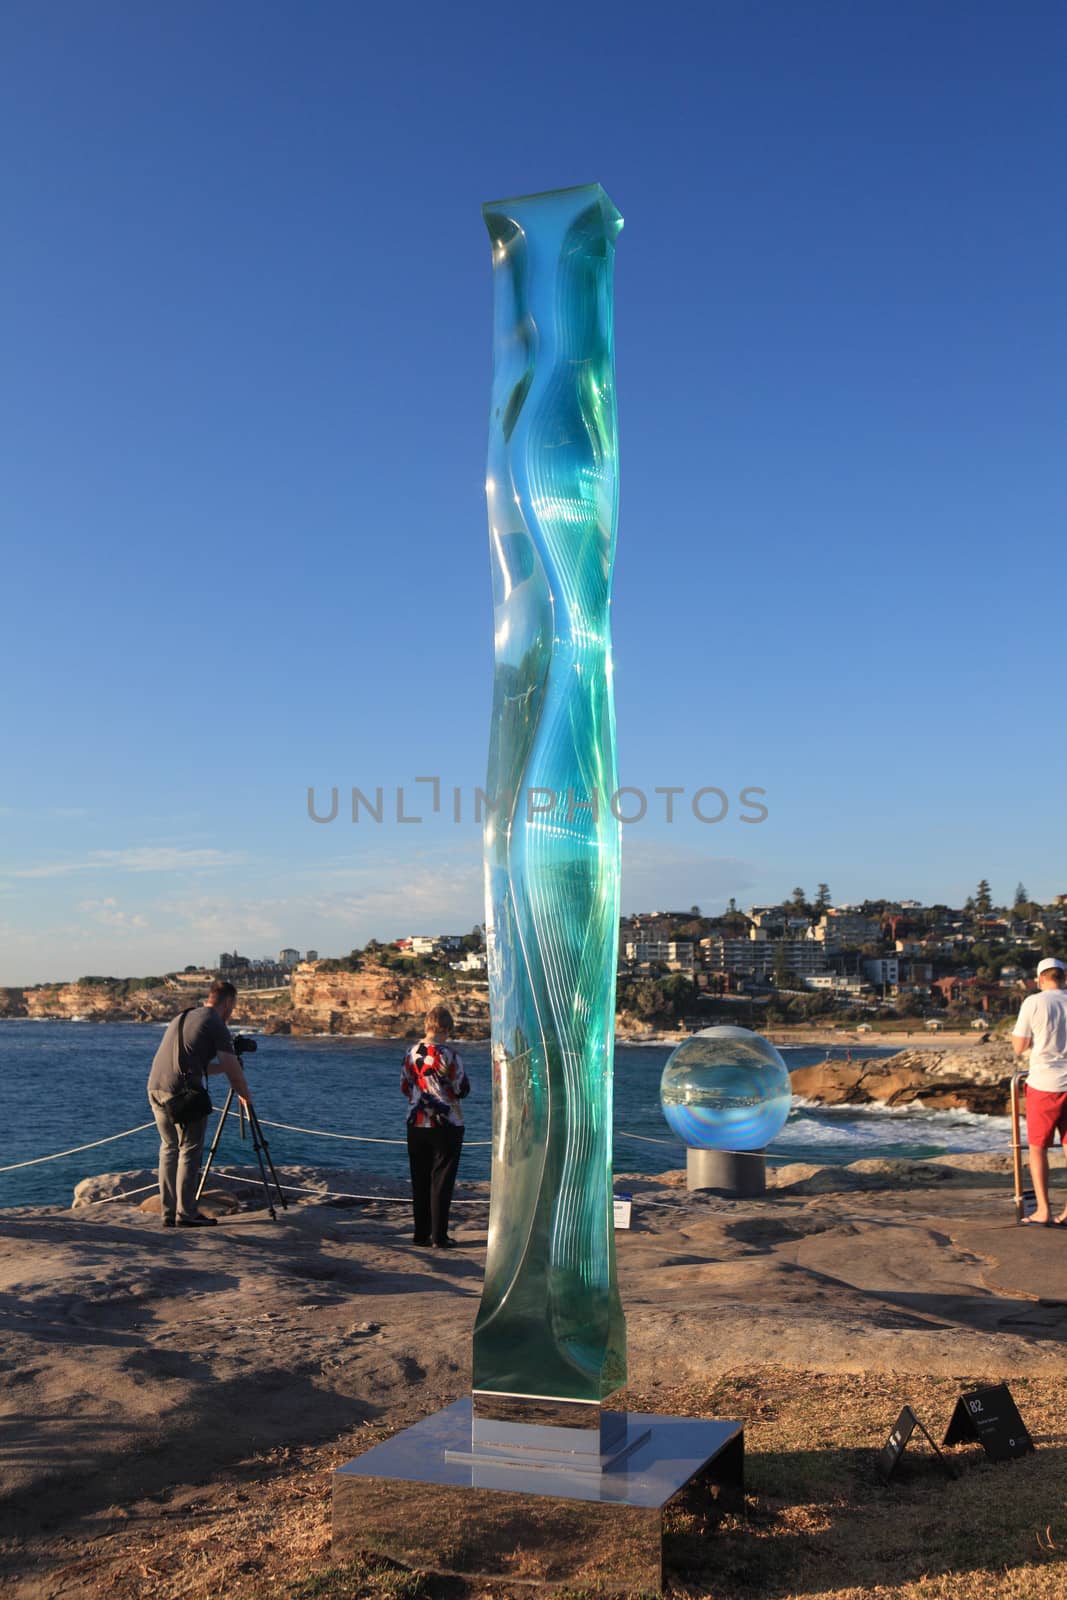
(1046, 1116)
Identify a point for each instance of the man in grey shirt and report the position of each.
(208, 1048)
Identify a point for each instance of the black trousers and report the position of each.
(433, 1155)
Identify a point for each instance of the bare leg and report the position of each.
(1039, 1173)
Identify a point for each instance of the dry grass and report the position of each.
(817, 1520)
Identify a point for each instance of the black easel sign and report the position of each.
(989, 1417)
(894, 1447)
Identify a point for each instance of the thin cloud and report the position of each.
(110, 914)
(419, 899)
(139, 858)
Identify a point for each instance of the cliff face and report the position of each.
(99, 1002)
(379, 1000)
(107, 1002)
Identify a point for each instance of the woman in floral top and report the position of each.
(434, 1081)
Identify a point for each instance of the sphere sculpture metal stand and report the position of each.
(737, 1174)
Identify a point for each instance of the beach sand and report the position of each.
(917, 1039)
(173, 1402)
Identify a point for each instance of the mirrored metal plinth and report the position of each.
(426, 1499)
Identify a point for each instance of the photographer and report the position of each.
(196, 1043)
(434, 1080)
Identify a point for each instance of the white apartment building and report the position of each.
(473, 961)
(673, 952)
(881, 970)
(754, 957)
(776, 919)
(838, 983)
(758, 957)
(839, 927)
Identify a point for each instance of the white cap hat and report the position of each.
(1050, 964)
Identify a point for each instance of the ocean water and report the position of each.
(65, 1083)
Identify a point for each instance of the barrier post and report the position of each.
(1016, 1143)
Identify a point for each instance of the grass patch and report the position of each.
(361, 1580)
(817, 1522)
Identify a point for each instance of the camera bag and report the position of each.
(192, 1102)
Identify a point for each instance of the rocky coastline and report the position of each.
(975, 1079)
(383, 1002)
(321, 999)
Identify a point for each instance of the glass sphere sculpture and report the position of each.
(725, 1089)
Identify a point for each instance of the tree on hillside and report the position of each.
(664, 999)
(983, 900)
(782, 973)
(799, 902)
(822, 899)
(734, 922)
(1022, 899)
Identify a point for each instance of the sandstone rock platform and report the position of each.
(135, 1360)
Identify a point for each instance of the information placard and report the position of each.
(623, 1208)
(894, 1447)
(990, 1417)
(896, 1444)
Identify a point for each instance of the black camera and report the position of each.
(243, 1045)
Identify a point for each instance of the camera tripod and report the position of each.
(259, 1145)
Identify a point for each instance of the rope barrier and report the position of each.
(109, 1199)
(334, 1194)
(387, 1199)
(644, 1139)
(358, 1138)
(362, 1138)
(78, 1148)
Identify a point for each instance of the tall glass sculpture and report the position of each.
(550, 1325)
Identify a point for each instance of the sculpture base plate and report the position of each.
(420, 1498)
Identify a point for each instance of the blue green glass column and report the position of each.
(550, 1323)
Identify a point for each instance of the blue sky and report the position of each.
(247, 300)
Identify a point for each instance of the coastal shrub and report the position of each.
(123, 986)
(352, 962)
(664, 999)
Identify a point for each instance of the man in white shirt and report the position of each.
(1041, 1028)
